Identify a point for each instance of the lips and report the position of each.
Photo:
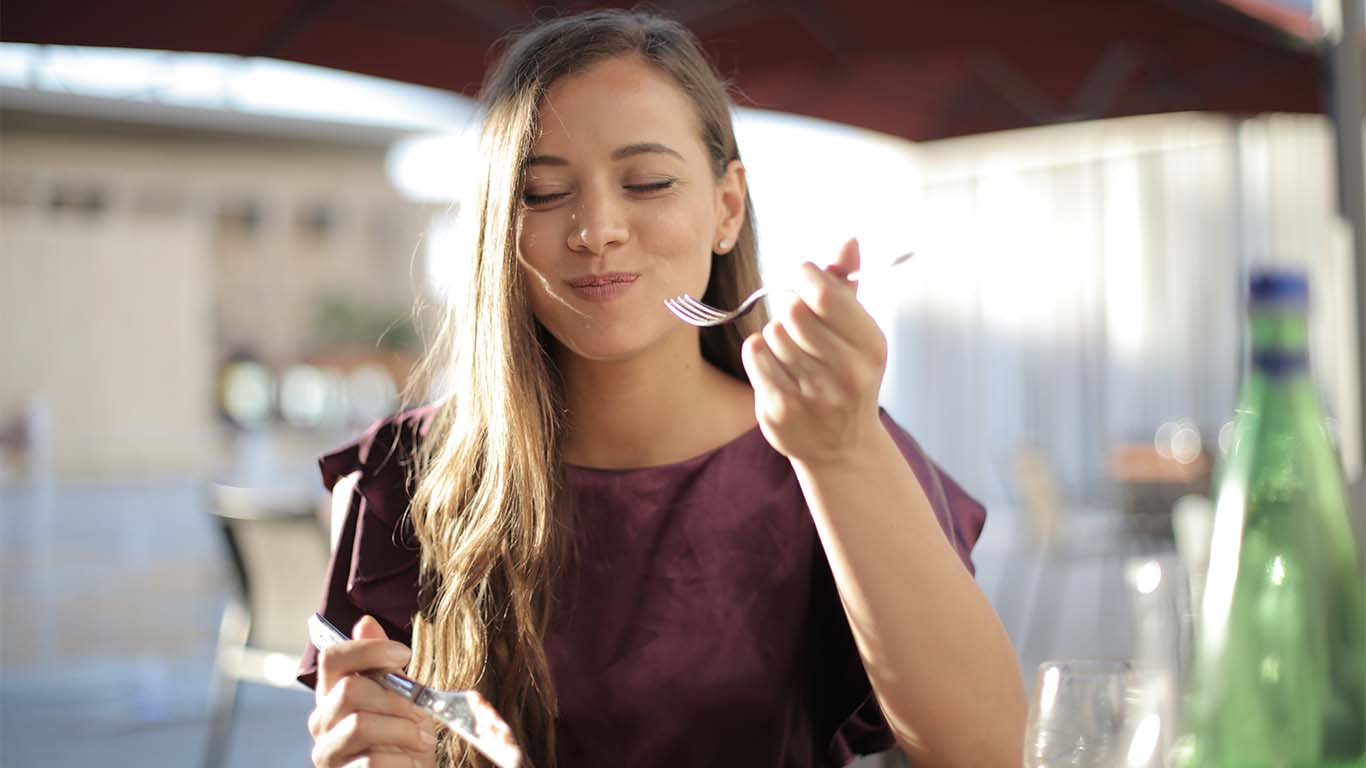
(604, 279)
(604, 286)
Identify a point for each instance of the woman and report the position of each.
(644, 543)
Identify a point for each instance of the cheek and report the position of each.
(682, 235)
(533, 237)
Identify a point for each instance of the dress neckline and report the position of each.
(681, 464)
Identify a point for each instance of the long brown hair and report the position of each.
(488, 504)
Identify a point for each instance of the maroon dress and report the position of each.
(700, 625)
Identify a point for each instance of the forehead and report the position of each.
(617, 101)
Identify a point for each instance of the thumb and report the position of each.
(847, 261)
(368, 629)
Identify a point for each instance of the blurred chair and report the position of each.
(1038, 580)
(1037, 486)
(1151, 478)
(278, 549)
(1040, 499)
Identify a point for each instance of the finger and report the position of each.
(386, 758)
(848, 259)
(368, 629)
(763, 368)
(379, 758)
(834, 302)
(384, 761)
(369, 734)
(354, 656)
(391, 761)
(813, 336)
(360, 655)
(793, 357)
(357, 693)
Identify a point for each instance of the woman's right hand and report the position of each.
(355, 720)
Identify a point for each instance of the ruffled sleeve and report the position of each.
(844, 704)
(374, 568)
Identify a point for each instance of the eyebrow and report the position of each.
(621, 153)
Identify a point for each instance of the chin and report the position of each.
(615, 343)
(603, 350)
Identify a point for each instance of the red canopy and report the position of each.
(919, 70)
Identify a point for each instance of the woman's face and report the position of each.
(621, 209)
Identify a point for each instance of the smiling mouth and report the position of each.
(603, 287)
(604, 280)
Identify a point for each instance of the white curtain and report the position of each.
(1079, 285)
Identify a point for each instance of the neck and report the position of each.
(658, 407)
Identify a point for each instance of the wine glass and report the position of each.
(1091, 713)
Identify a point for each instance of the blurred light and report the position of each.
(300, 90)
(1144, 745)
(1022, 293)
(15, 67)
(1328, 17)
(1271, 669)
(313, 397)
(870, 180)
(195, 80)
(372, 392)
(248, 392)
(1125, 272)
(1162, 439)
(1149, 577)
(280, 669)
(436, 168)
(232, 83)
(1048, 695)
(1277, 570)
(109, 72)
(443, 245)
(1225, 549)
(1186, 442)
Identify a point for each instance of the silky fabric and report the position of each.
(698, 624)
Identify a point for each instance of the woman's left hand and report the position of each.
(816, 367)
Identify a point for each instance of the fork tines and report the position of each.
(694, 312)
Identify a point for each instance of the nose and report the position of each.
(597, 222)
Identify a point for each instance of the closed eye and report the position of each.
(535, 200)
(654, 186)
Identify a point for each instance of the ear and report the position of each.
(730, 207)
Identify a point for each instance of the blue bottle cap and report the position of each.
(1280, 362)
(1279, 287)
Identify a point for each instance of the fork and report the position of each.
(466, 713)
(694, 312)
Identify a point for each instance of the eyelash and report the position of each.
(530, 199)
(654, 186)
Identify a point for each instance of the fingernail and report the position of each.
(397, 654)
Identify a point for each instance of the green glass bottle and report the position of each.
(1279, 675)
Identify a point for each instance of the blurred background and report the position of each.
(215, 223)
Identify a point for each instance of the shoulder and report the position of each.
(379, 462)
(384, 449)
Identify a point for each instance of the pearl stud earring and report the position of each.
(722, 246)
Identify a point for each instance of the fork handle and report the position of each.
(324, 635)
(878, 268)
(403, 685)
